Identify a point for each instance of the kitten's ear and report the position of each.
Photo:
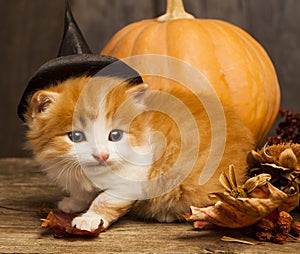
(40, 102)
(138, 92)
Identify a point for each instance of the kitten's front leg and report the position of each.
(77, 202)
(104, 207)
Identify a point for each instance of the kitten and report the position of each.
(117, 148)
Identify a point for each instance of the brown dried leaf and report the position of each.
(202, 224)
(231, 239)
(60, 221)
(232, 178)
(239, 212)
(290, 203)
(225, 182)
(44, 209)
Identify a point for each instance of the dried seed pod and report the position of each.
(264, 236)
(230, 184)
(282, 163)
(283, 154)
(279, 238)
(276, 228)
(296, 227)
(251, 184)
(288, 159)
(284, 222)
(265, 225)
(254, 158)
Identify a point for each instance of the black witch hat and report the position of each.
(75, 59)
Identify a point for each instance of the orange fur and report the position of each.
(81, 98)
(239, 142)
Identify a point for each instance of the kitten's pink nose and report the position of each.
(101, 157)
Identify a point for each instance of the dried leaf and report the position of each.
(232, 178)
(225, 182)
(202, 224)
(44, 209)
(60, 221)
(290, 203)
(238, 212)
(231, 239)
(254, 182)
(260, 192)
(272, 166)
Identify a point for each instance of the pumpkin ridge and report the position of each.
(219, 26)
(268, 66)
(167, 47)
(264, 61)
(120, 35)
(265, 56)
(258, 56)
(140, 35)
(222, 76)
(136, 33)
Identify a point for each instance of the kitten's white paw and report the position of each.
(71, 205)
(89, 221)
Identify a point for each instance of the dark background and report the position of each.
(31, 30)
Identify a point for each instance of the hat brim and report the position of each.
(65, 67)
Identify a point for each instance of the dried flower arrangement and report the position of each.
(262, 204)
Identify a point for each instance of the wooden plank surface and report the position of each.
(23, 187)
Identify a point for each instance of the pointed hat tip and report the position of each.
(73, 41)
(68, 13)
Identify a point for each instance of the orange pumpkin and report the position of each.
(236, 65)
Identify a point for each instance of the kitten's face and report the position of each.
(88, 123)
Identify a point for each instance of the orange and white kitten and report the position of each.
(115, 148)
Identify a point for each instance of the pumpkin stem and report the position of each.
(175, 10)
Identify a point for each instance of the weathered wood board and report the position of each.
(23, 187)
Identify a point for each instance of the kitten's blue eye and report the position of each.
(115, 135)
(76, 136)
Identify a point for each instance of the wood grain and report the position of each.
(23, 187)
(31, 32)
